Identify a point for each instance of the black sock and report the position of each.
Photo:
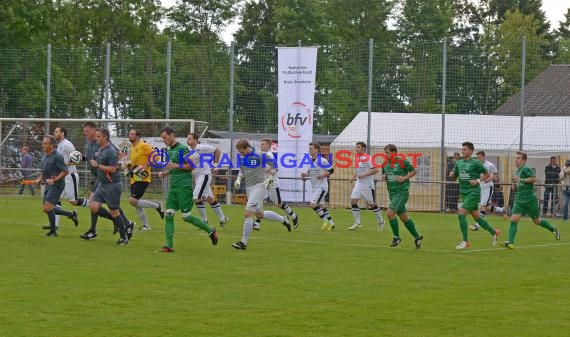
(51, 217)
(94, 218)
(59, 211)
(103, 212)
(125, 220)
(120, 225)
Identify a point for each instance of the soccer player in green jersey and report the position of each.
(180, 190)
(397, 173)
(470, 172)
(525, 201)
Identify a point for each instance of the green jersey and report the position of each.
(468, 169)
(177, 154)
(394, 169)
(524, 191)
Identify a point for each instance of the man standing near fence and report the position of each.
(551, 178)
(26, 162)
(364, 187)
(470, 172)
(525, 201)
(273, 191)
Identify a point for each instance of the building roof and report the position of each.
(548, 94)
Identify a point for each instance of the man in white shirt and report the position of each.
(487, 186)
(364, 187)
(202, 175)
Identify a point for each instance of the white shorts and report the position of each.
(202, 187)
(486, 195)
(319, 195)
(274, 195)
(365, 193)
(255, 197)
(71, 190)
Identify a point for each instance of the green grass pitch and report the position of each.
(303, 283)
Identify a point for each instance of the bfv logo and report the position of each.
(296, 120)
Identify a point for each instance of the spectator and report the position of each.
(451, 187)
(565, 182)
(26, 161)
(551, 177)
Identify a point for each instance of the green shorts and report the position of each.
(471, 200)
(398, 201)
(529, 207)
(180, 199)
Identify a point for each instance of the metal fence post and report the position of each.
(523, 68)
(48, 88)
(168, 60)
(443, 156)
(370, 77)
(107, 78)
(231, 121)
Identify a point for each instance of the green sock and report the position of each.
(198, 223)
(169, 231)
(547, 225)
(411, 228)
(463, 226)
(395, 227)
(485, 225)
(513, 231)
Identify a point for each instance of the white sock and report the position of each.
(356, 214)
(247, 228)
(202, 211)
(146, 204)
(142, 216)
(270, 215)
(218, 210)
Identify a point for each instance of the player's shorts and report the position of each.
(71, 190)
(471, 200)
(529, 206)
(109, 194)
(274, 195)
(202, 187)
(255, 197)
(363, 192)
(179, 198)
(398, 201)
(138, 188)
(319, 195)
(52, 193)
(486, 195)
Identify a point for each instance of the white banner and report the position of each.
(297, 68)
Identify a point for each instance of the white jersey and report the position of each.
(270, 162)
(364, 165)
(203, 164)
(492, 171)
(65, 147)
(320, 165)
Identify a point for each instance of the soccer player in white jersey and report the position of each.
(203, 177)
(364, 187)
(71, 190)
(252, 170)
(487, 186)
(318, 174)
(273, 191)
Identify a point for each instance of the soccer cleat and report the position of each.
(494, 237)
(160, 209)
(325, 226)
(474, 227)
(144, 228)
(51, 233)
(89, 235)
(296, 221)
(508, 245)
(286, 223)
(330, 228)
(418, 241)
(395, 241)
(214, 236)
(257, 225)
(463, 245)
(381, 224)
(355, 226)
(74, 218)
(224, 221)
(122, 242)
(556, 234)
(166, 249)
(129, 230)
(239, 245)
